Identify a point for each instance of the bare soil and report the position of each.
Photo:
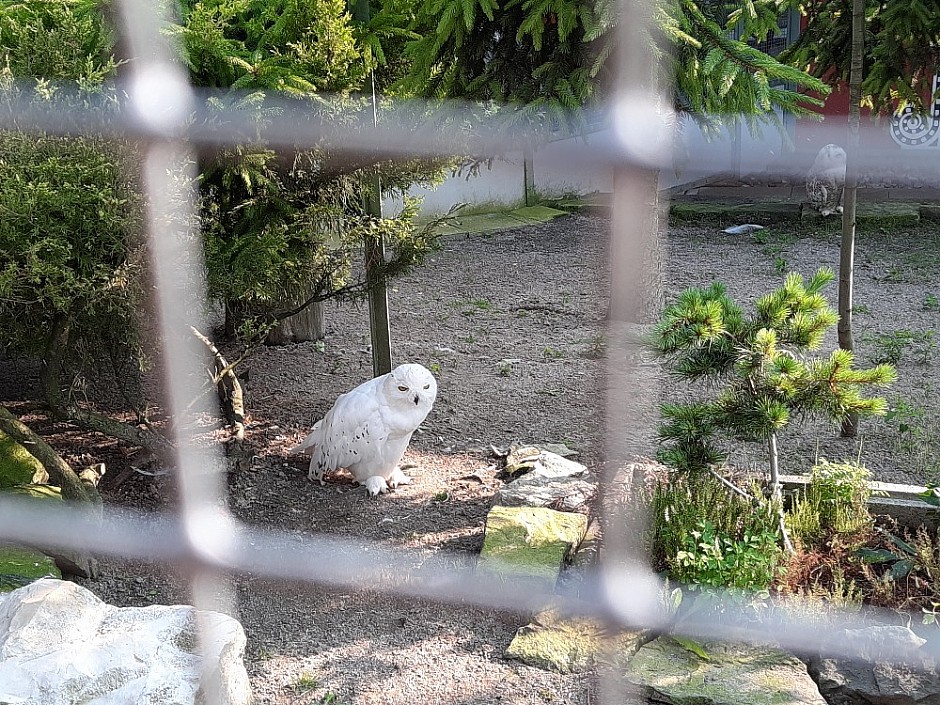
(511, 323)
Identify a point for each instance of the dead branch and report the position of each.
(60, 472)
(228, 386)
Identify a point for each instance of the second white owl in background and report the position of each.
(826, 180)
(368, 429)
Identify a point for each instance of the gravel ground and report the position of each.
(512, 326)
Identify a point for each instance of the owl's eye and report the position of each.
(427, 386)
(402, 389)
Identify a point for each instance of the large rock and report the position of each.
(733, 674)
(892, 671)
(550, 480)
(522, 459)
(534, 490)
(530, 543)
(60, 645)
(20, 566)
(18, 466)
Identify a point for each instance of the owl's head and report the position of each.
(830, 156)
(412, 386)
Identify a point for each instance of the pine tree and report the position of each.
(549, 60)
(759, 362)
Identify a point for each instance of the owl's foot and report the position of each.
(315, 473)
(376, 485)
(398, 478)
(839, 210)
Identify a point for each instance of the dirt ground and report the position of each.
(512, 325)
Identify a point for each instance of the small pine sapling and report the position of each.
(762, 376)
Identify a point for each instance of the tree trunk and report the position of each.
(847, 247)
(776, 492)
(302, 327)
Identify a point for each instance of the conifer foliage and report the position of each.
(553, 58)
(763, 377)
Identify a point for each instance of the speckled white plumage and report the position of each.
(368, 428)
(826, 180)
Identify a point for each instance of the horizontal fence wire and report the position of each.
(169, 119)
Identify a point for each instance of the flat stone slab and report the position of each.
(530, 544)
(567, 646)
(733, 674)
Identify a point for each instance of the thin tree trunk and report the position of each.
(50, 376)
(847, 247)
(776, 492)
(228, 387)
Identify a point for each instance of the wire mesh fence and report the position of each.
(167, 118)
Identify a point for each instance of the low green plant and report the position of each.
(693, 504)
(931, 302)
(713, 558)
(893, 346)
(917, 435)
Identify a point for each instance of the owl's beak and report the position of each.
(417, 397)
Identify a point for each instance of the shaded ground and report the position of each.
(511, 325)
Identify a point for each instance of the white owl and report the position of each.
(368, 429)
(826, 180)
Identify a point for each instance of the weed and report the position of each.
(834, 501)
(861, 309)
(442, 496)
(596, 346)
(931, 302)
(306, 682)
(891, 347)
(471, 307)
(917, 435)
(435, 368)
(781, 266)
(553, 353)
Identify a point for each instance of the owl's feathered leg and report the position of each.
(398, 478)
(376, 485)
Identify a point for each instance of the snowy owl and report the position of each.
(826, 179)
(368, 429)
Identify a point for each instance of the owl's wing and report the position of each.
(350, 432)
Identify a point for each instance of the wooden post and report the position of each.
(528, 175)
(379, 329)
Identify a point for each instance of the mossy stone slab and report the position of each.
(530, 544)
(17, 465)
(567, 645)
(733, 674)
(19, 567)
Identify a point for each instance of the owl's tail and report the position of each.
(309, 442)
